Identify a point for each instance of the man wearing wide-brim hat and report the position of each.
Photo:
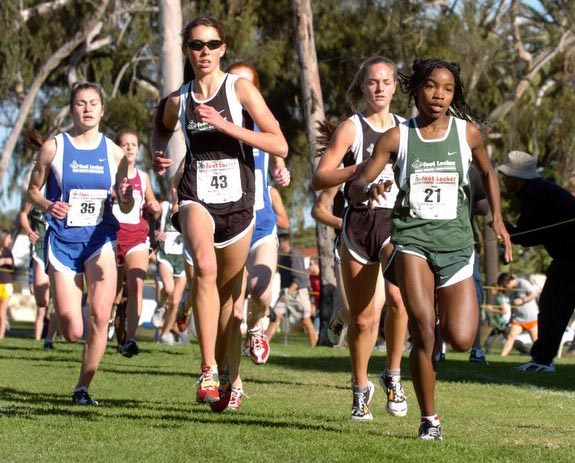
(547, 218)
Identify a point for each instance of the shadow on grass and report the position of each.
(499, 372)
(146, 371)
(452, 370)
(30, 405)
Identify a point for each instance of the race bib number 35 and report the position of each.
(434, 195)
(219, 181)
(86, 207)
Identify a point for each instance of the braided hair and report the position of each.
(422, 68)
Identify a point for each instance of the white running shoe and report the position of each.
(259, 346)
(158, 317)
(535, 367)
(111, 329)
(396, 402)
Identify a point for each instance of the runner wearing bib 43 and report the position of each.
(216, 185)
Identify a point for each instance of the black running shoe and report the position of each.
(48, 345)
(429, 431)
(81, 397)
(129, 349)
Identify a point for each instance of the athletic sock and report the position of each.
(434, 419)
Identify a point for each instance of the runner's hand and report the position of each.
(160, 163)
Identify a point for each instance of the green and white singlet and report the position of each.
(433, 206)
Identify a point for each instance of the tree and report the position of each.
(172, 69)
(85, 35)
(313, 111)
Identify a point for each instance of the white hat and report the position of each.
(520, 165)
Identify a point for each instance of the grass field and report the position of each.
(298, 410)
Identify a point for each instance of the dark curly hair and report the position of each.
(422, 68)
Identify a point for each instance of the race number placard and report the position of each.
(219, 181)
(86, 207)
(174, 243)
(391, 191)
(433, 195)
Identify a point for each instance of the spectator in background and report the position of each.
(498, 314)
(524, 309)
(6, 278)
(294, 294)
(546, 213)
(315, 288)
(480, 206)
(34, 224)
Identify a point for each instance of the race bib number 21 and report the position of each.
(434, 195)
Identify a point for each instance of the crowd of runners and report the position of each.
(405, 238)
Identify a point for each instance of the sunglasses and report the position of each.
(198, 45)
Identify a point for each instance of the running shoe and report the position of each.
(81, 397)
(167, 339)
(370, 392)
(225, 392)
(129, 349)
(429, 431)
(208, 384)
(334, 330)
(158, 317)
(478, 356)
(236, 399)
(440, 357)
(396, 402)
(111, 329)
(361, 398)
(259, 346)
(183, 317)
(535, 367)
(48, 345)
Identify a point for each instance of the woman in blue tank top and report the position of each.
(83, 172)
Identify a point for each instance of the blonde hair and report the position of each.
(354, 94)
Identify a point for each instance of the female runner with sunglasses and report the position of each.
(217, 188)
(366, 247)
(431, 226)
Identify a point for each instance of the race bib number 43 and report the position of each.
(219, 181)
(434, 195)
(86, 207)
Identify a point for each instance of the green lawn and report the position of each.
(298, 410)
